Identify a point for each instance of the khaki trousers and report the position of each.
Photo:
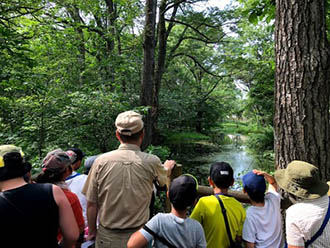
(109, 238)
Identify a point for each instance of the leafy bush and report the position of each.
(261, 145)
(262, 141)
(238, 127)
(162, 152)
(186, 137)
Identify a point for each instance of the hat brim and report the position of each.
(316, 191)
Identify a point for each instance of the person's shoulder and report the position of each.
(206, 202)
(195, 226)
(193, 222)
(72, 197)
(46, 187)
(160, 215)
(251, 212)
(148, 159)
(235, 205)
(208, 198)
(105, 156)
(151, 157)
(157, 220)
(232, 201)
(272, 194)
(79, 178)
(273, 197)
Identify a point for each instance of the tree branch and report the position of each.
(197, 63)
(188, 25)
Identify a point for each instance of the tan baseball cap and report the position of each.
(129, 123)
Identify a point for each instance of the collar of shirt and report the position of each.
(126, 146)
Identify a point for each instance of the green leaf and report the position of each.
(253, 18)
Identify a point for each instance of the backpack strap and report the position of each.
(320, 231)
(156, 236)
(223, 210)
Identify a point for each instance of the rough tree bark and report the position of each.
(162, 37)
(301, 118)
(147, 83)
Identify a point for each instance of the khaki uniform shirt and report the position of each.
(120, 183)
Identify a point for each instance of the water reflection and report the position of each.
(235, 155)
(238, 158)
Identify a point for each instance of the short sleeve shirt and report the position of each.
(121, 183)
(75, 184)
(183, 233)
(304, 219)
(263, 225)
(208, 212)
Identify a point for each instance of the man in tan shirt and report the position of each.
(119, 186)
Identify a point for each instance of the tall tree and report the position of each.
(147, 85)
(301, 118)
(161, 47)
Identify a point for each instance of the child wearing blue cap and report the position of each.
(263, 225)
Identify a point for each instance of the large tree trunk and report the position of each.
(147, 85)
(75, 15)
(110, 41)
(301, 118)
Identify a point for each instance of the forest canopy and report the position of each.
(69, 67)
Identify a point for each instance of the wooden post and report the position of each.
(176, 172)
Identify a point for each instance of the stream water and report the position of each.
(235, 154)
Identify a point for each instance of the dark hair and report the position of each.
(186, 202)
(133, 138)
(51, 175)
(15, 166)
(256, 196)
(222, 181)
(27, 175)
(79, 154)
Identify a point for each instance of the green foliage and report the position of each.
(238, 127)
(263, 140)
(162, 152)
(69, 67)
(252, 64)
(259, 10)
(186, 138)
(261, 145)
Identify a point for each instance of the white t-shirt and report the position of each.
(304, 219)
(76, 183)
(263, 225)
